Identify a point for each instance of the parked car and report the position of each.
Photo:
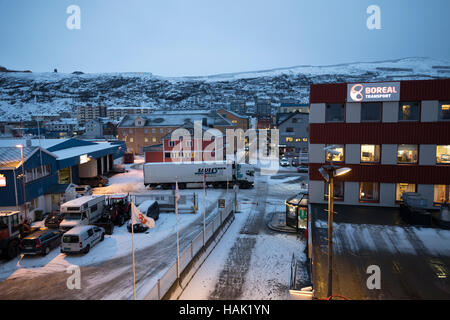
(295, 162)
(94, 182)
(53, 220)
(151, 209)
(83, 190)
(81, 239)
(40, 242)
(284, 162)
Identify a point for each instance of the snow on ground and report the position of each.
(393, 239)
(269, 271)
(115, 245)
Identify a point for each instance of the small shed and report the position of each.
(297, 211)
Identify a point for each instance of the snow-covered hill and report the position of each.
(26, 94)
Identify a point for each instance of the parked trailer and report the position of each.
(191, 174)
(82, 211)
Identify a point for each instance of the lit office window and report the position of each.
(369, 191)
(289, 139)
(408, 111)
(403, 187)
(334, 157)
(407, 153)
(444, 110)
(305, 139)
(441, 193)
(370, 153)
(371, 111)
(338, 190)
(334, 113)
(443, 154)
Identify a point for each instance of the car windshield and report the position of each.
(73, 216)
(80, 189)
(70, 239)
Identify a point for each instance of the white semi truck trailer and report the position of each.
(191, 174)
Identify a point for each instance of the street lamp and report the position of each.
(328, 172)
(23, 179)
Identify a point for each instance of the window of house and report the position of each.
(289, 139)
(289, 129)
(338, 190)
(161, 130)
(407, 153)
(153, 130)
(443, 154)
(369, 191)
(167, 155)
(294, 120)
(146, 139)
(334, 157)
(370, 153)
(172, 143)
(131, 139)
(297, 139)
(408, 111)
(371, 111)
(153, 139)
(444, 110)
(131, 131)
(145, 131)
(305, 139)
(403, 187)
(441, 193)
(334, 113)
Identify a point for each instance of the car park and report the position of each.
(53, 220)
(40, 242)
(81, 239)
(83, 190)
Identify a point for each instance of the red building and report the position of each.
(192, 149)
(395, 136)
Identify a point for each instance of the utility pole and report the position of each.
(330, 233)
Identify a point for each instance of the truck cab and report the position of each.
(245, 175)
(11, 230)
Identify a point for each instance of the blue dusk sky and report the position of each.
(202, 37)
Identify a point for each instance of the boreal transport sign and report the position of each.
(368, 92)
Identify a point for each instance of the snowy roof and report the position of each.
(175, 118)
(44, 143)
(78, 151)
(11, 156)
(81, 200)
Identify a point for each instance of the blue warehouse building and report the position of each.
(53, 167)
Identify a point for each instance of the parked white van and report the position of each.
(81, 211)
(81, 239)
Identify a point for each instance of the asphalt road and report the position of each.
(109, 280)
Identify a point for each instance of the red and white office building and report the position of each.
(395, 136)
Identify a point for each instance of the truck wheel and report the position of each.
(103, 237)
(87, 249)
(13, 249)
(46, 251)
(121, 220)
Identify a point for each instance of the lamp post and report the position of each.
(23, 179)
(328, 172)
